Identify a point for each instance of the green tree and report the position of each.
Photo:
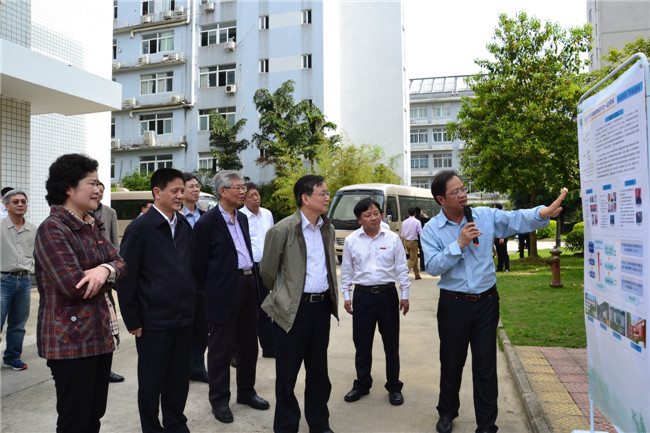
(285, 126)
(346, 165)
(616, 57)
(136, 181)
(520, 126)
(223, 141)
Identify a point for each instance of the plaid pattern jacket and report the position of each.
(69, 326)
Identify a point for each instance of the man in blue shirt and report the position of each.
(468, 308)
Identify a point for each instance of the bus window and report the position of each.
(391, 209)
(406, 202)
(428, 206)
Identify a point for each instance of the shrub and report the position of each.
(575, 240)
(548, 232)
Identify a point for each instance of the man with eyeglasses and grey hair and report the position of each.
(222, 263)
(457, 245)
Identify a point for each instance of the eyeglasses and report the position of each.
(23, 201)
(238, 188)
(322, 194)
(457, 192)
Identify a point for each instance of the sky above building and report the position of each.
(443, 37)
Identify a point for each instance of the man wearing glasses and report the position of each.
(299, 266)
(222, 263)
(468, 308)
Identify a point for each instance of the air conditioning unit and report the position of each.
(143, 59)
(174, 57)
(150, 138)
(230, 45)
(167, 15)
(180, 10)
(146, 19)
(115, 143)
(116, 65)
(231, 89)
(209, 7)
(177, 99)
(129, 103)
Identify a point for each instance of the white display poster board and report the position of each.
(613, 137)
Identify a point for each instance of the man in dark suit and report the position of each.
(222, 262)
(157, 303)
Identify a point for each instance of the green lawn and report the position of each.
(535, 314)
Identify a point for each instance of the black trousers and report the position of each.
(264, 323)
(503, 260)
(372, 309)
(163, 378)
(462, 323)
(240, 334)
(307, 342)
(81, 392)
(199, 335)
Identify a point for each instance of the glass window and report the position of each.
(114, 49)
(442, 160)
(158, 42)
(439, 135)
(207, 161)
(306, 61)
(216, 76)
(151, 163)
(168, 5)
(419, 136)
(148, 7)
(419, 113)
(227, 113)
(264, 66)
(442, 110)
(159, 82)
(419, 161)
(264, 22)
(161, 123)
(420, 183)
(306, 16)
(114, 9)
(218, 33)
(405, 202)
(112, 127)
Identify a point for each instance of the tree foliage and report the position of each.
(136, 181)
(519, 127)
(616, 57)
(348, 164)
(288, 128)
(223, 141)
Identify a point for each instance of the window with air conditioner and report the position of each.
(306, 61)
(158, 82)
(217, 76)
(148, 7)
(306, 16)
(218, 33)
(264, 22)
(264, 66)
(160, 123)
(157, 42)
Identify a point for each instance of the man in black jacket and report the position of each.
(157, 303)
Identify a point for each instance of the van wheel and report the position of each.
(340, 259)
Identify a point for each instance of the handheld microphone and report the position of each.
(468, 216)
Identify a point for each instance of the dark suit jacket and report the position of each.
(214, 263)
(158, 292)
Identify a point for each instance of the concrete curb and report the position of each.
(535, 415)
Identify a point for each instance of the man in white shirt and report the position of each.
(260, 220)
(373, 259)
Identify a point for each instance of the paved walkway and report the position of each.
(540, 389)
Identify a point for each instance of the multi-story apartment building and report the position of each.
(434, 103)
(54, 72)
(179, 59)
(615, 23)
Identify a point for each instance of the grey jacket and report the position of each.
(283, 268)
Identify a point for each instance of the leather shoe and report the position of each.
(395, 398)
(355, 395)
(324, 431)
(254, 401)
(444, 424)
(199, 376)
(223, 414)
(114, 378)
(485, 430)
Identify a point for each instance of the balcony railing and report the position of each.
(148, 60)
(141, 144)
(177, 15)
(150, 101)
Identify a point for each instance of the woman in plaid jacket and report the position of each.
(76, 267)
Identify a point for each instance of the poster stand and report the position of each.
(613, 123)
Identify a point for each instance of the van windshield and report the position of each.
(341, 211)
